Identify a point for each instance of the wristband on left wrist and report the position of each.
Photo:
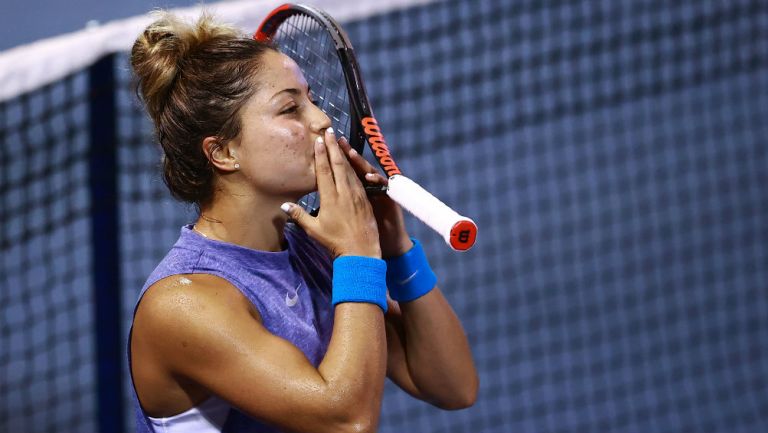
(409, 276)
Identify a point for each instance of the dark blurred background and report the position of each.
(613, 153)
(22, 21)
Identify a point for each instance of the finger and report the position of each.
(300, 216)
(355, 177)
(344, 144)
(323, 171)
(361, 165)
(339, 164)
(376, 179)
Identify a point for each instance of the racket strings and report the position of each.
(316, 56)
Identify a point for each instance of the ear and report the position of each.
(221, 155)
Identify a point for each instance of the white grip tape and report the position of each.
(426, 207)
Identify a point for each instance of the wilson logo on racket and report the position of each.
(379, 146)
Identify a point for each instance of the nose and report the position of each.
(319, 121)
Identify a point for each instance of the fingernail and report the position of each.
(285, 207)
(319, 140)
(352, 152)
(330, 130)
(370, 175)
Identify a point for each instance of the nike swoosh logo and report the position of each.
(405, 281)
(292, 300)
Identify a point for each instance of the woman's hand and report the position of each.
(393, 236)
(345, 224)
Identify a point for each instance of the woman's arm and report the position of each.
(428, 353)
(207, 333)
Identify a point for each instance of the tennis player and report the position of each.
(262, 318)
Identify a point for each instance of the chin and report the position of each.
(308, 189)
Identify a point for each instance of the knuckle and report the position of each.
(359, 200)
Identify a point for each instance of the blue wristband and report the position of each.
(409, 276)
(359, 279)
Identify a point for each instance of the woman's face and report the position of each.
(279, 126)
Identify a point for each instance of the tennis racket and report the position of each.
(324, 53)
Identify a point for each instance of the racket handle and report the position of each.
(458, 231)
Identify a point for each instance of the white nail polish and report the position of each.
(330, 130)
(319, 140)
(285, 207)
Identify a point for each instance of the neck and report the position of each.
(244, 219)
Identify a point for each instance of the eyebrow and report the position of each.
(293, 91)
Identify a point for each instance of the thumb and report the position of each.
(299, 215)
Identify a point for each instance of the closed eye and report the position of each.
(293, 107)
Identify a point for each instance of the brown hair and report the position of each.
(194, 79)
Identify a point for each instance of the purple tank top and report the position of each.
(291, 290)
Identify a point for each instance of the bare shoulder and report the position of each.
(176, 330)
(191, 294)
(189, 306)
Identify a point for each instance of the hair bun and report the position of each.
(160, 50)
(194, 78)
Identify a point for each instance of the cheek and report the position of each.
(289, 140)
